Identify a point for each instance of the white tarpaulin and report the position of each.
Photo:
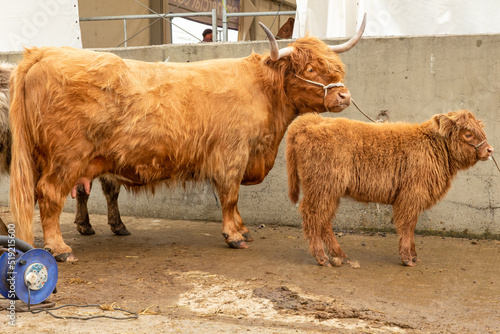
(339, 18)
(28, 23)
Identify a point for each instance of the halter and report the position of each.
(478, 145)
(325, 87)
(475, 146)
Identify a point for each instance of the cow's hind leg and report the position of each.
(111, 190)
(82, 220)
(51, 201)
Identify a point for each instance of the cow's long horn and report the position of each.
(352, 42)
(276, 53)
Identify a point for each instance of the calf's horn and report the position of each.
(277, 53)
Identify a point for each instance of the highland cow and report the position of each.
(410, 166)
(79, 114)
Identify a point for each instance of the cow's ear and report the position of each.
(445, 124)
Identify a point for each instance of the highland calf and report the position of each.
(410, 166)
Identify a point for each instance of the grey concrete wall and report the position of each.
(414, 78)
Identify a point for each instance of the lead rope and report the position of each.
(383, 113)
(495, 163)
(381, 118)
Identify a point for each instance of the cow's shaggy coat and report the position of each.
(410, 166)
(78, 114)
(109, 186)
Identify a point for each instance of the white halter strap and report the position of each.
(479, 145)
(325, 87)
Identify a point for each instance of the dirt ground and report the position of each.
(181, 278)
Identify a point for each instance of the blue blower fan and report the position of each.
(26, 273)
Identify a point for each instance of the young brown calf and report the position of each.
(407, 165)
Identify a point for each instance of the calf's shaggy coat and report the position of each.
(410, 166)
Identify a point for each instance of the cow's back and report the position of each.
(142, 115)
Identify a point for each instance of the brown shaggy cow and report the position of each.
(410, 166)
(110, 187)
(79, 114)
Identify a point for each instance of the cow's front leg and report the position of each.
(51, 201)
(229, 199)
(244, 231)
(82, 220)
(111, 190)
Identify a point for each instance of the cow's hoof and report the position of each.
(121, 232)
(247, 236)
(239, 244)
(65, 257)
(85, 229)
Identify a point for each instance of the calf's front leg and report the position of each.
(406, 221)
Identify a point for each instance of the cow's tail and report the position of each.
(23, 127)
(291, 167)
(5, 136)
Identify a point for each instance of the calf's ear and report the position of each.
(444, 124)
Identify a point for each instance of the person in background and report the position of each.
(207, 35)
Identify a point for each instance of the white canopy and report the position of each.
(340, 18)
(39, 23)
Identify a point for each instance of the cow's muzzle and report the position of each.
(343, 98)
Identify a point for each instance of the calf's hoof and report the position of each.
(339, 261)
(85, 229)
(409, 263)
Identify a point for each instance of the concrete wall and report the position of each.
(414, 78)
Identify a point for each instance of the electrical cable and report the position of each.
(48, 306)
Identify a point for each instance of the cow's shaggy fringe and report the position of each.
(90, 113)
(410, 166)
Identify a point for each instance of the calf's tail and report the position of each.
(23, 127)
(291, 167)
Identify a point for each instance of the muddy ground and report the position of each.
(181, 278)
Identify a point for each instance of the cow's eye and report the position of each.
(310, 70)
(468, 135)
